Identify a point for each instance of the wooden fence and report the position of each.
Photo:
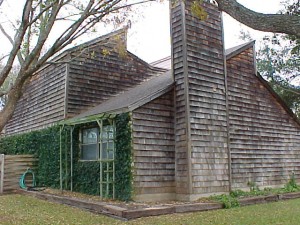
(11, 169)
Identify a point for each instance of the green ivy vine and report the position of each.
(45, 145)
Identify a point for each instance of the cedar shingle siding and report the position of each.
(153, 146)
(264, 138)
(42, 103)
(208, 125)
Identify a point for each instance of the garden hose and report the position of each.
(22, 182)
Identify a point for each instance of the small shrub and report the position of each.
(253, 186)
(291, 185)
(228, 201)
(238, 193)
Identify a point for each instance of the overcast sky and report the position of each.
(149, 37)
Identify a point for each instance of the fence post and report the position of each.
(1, 172)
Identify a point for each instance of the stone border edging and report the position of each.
(128, 214)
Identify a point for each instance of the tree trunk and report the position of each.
(7, 112)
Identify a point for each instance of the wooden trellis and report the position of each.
(106, 157)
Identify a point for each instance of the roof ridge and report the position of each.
(233, 51)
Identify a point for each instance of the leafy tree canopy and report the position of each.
(279, 62)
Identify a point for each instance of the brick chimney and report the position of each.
(200, 101)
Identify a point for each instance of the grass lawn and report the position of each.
(18, 209)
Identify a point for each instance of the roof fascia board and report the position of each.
(239, 50)
(88, 119)
(157, 69)
(278, 98)
(263, 81)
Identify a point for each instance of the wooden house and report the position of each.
(203, 120)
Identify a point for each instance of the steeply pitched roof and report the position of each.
(278, 98)
(129, 100)
(153, 88)
(92, 42)
(163, 63)
(141, 94)
(231, 52)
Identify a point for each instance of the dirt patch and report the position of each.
(128, 205)
(133, 210)
(118, 209)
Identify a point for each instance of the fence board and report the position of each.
(11, 169)
(1, 172)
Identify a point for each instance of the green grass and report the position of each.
(18, 209)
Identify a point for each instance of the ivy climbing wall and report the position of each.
(45, 146)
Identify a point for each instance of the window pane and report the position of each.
(89, 152)
(107, 150)
(108, 132)
(104, 150)
(89, 136)
(110, 146)
(110, 150)
(110, 155)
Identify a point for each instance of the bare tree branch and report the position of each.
(40, 14)
(18, 41)
(6, 34)
(43, 35)
(20, 58)
(3, 57)
(276, 23)
(43, 17)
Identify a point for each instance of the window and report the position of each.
(107, 142)
(97, 145)
(89, 146)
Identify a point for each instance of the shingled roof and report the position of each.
(231, 52)
(163, 63)
(129, 100)
(143, 93)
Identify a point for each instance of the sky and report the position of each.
(149, 35)
(149, 38)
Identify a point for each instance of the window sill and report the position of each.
(90, 160)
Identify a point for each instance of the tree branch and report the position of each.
(18, 41)
(3, 57)
(20, 58)
(2, 93)
(276, 23)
